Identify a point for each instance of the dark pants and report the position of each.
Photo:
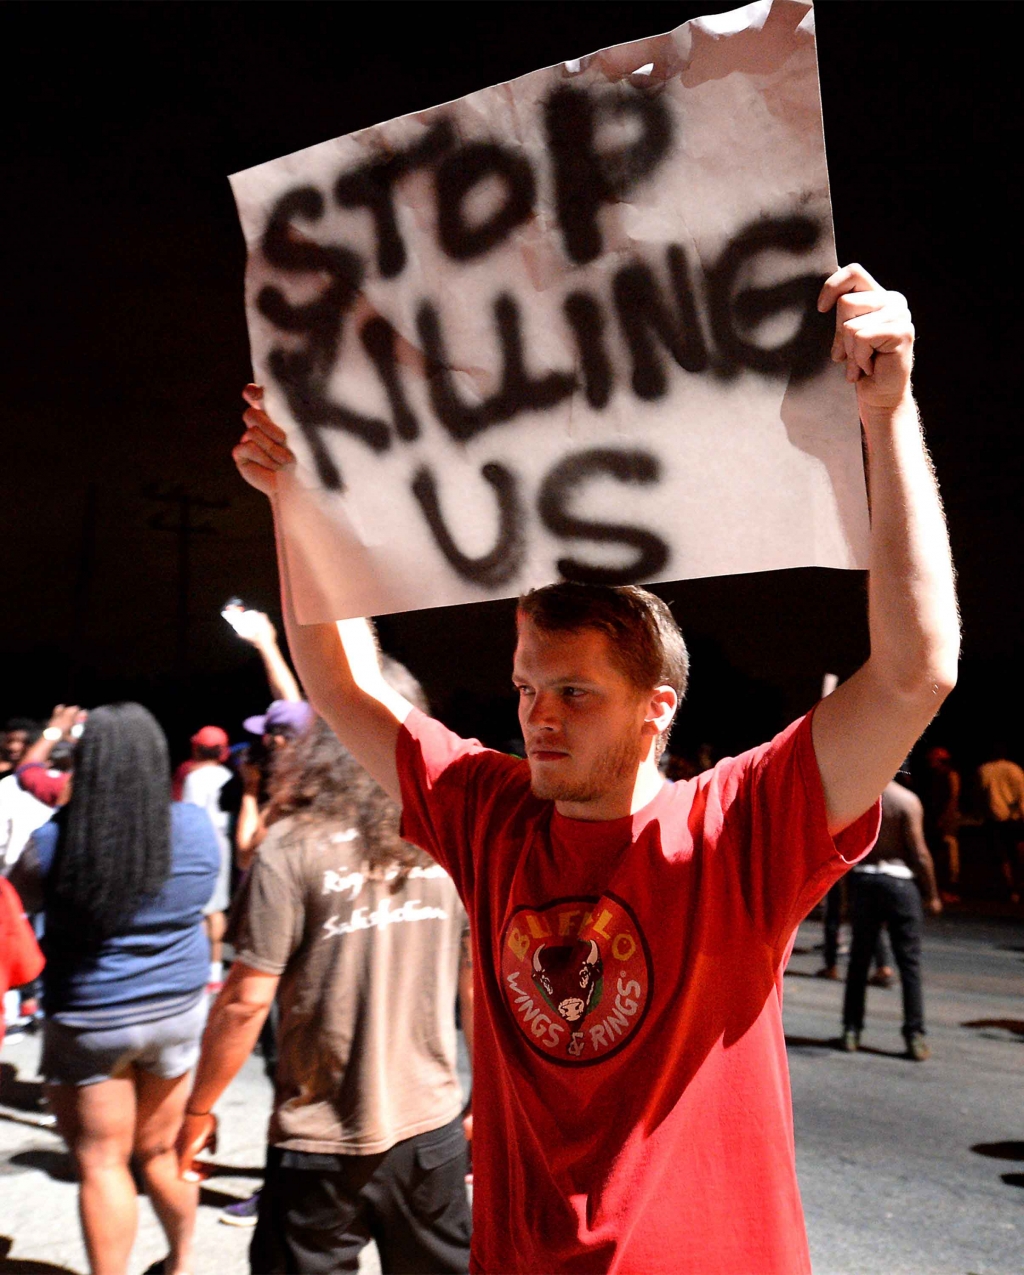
(833, 917)
(876, 900)
(317, 1212)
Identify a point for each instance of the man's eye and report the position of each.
(524, 690)
(573, 692)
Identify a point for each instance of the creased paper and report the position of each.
(564, 327)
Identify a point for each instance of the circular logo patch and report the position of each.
(577, 977)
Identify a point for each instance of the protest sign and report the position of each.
(564, 327)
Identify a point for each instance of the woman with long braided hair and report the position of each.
(123, 876)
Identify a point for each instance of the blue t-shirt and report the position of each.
(162, 957)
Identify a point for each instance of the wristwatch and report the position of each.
(53, 733)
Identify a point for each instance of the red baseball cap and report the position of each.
(211, 737)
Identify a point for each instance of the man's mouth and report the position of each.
(546, 754)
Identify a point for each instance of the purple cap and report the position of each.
(282, 717)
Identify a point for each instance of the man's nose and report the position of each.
(540, 712)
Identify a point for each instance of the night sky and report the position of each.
(125, 342)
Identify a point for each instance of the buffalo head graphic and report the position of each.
(568, 975)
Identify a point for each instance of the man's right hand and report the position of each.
(263, 450)
(258, 629)
(197, 1134)
(63, 718)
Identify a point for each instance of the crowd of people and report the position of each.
(615, 943)
(128, 873)
(358, 1066)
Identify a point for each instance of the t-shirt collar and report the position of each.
(610, 831)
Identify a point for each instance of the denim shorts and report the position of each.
(166, 1047)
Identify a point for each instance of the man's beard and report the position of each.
(617, 763)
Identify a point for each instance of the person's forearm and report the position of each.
(924, 871)
(279, 676)
(929, 885)
(38, 754)
(912, 610)
(230, 1036)
(339, 667)
(249, 832)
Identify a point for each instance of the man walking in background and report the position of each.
(886, 888)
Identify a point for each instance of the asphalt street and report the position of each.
(905, 1168)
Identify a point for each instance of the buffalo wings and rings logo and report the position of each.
(577, 977)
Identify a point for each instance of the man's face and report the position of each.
(582, 720)
(15, 743)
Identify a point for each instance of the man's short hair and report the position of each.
(644, 639)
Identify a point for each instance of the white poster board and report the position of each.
(562, 327)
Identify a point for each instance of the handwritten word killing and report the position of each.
(667, 308)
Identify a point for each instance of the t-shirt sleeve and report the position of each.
(189, 791)
(268, 915)
(193, 832)
(444, 779)
(46, 786)
(774, 833)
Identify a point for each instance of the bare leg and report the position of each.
(97, 1122)
(161, 1106)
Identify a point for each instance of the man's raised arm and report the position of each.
(337, 663)
(867, 726)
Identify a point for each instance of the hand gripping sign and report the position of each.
(564, 327)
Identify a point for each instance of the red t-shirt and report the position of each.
(45, 785)
(20, 958)
(631, 1094)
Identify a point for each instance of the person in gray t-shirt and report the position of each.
(364, 940)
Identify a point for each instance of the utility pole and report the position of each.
(178, 518)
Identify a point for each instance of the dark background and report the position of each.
(125, 347)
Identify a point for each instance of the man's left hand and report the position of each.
(874, 338)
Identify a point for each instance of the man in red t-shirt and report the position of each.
(631, 1089)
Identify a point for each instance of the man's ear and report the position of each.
(661, 708)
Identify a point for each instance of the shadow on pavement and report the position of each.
(55, 1164)
(1011, 1179)
(1000, 1150)
(24, 1095)
(212, 1169)
(901, 1053)
(26, 1265)
(214, 1199)
(835, 1043)
(1015, 1025)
